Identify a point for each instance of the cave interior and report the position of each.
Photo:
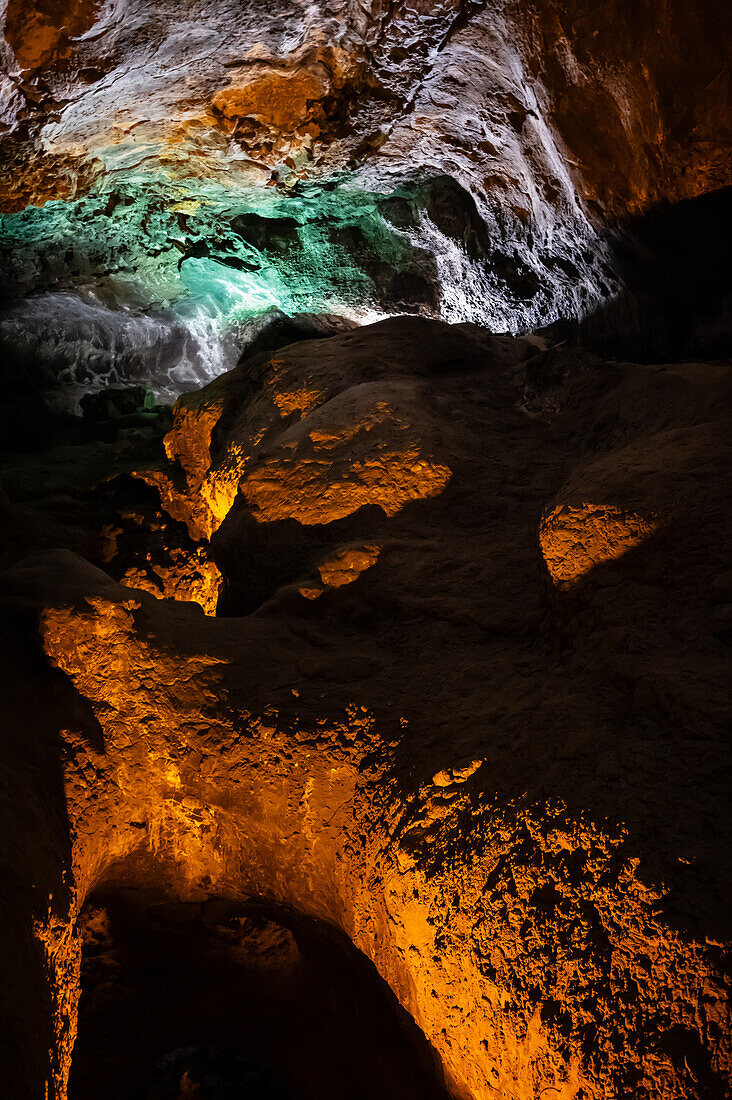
(365, 589)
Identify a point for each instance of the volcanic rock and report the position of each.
(499, 785)
(394, 660)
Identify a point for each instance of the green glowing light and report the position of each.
(237, 295)
(147, 243)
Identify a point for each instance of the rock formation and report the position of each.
(469, 161)
(365, 639)
(491, 753)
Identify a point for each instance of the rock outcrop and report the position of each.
(494, 758)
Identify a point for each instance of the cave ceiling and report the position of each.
(170, 172)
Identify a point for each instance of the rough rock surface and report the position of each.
(495, 758)
(486, 147)
(637, 95)
(416, 633)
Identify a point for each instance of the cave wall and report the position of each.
(550, 122)
(462, 697)
(640, 95)
(466, 701)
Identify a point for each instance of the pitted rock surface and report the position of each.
(495, 758)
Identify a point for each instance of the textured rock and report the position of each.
(531, 844)
(301, 439)
(534, 124)
(460, 691)
(341, 79)
(188, 577)
(650, 84)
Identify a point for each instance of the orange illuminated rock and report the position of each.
(528, 842)
(143, 550)
(212, 470)
(355, 451)
(39, 32)
(347, 565)
(37, 177)
(188, 576)
(284, 100)
(575, 539)
(612, 506)
(448, 776)
(312, 440)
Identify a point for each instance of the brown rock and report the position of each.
(404, 756)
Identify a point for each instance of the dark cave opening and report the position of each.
(221, 1000)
